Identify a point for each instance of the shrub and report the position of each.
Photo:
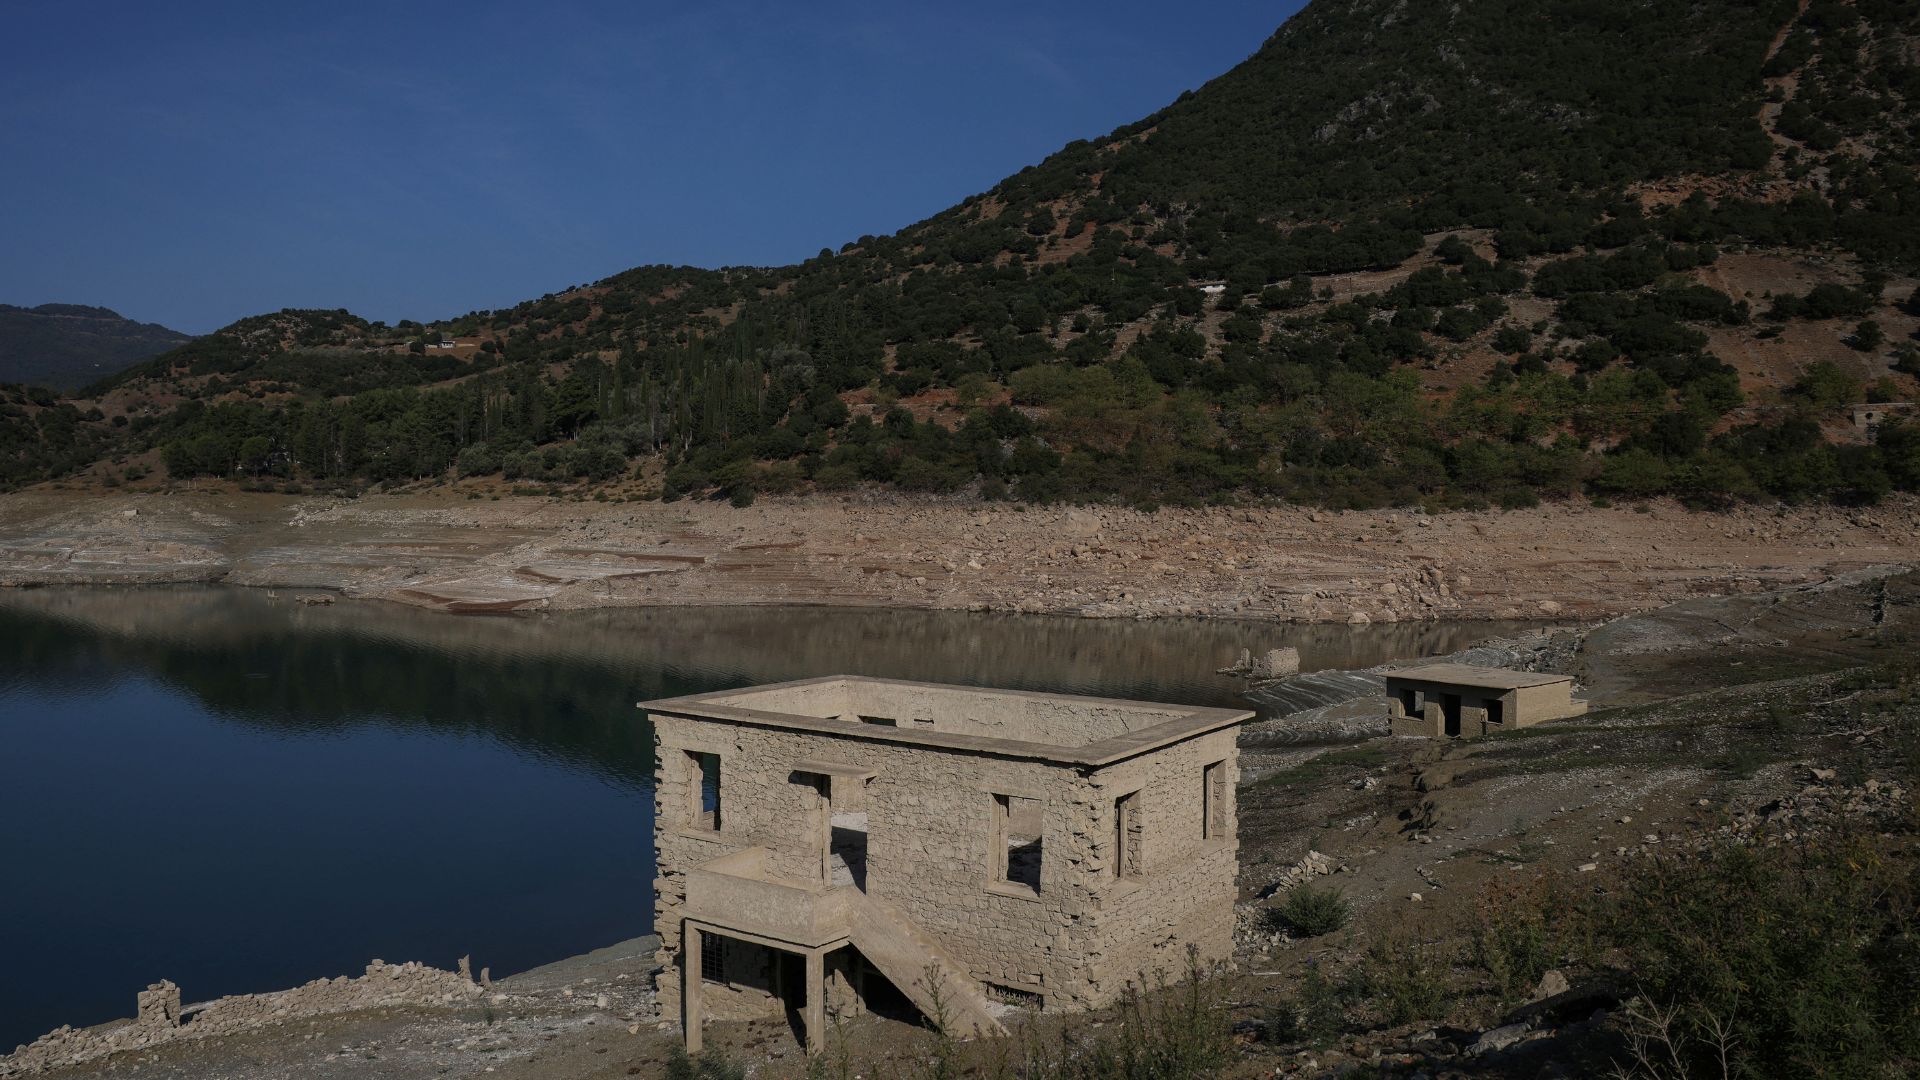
(1525, 929)
(1867, 336)
(1401, 981)
(709, 1065)
(1803, 956)
(1311, 910)
(836, 477)
(1174, 1032)
(1315, 1014)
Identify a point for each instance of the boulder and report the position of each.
(1498, 1039)
(1552, 984)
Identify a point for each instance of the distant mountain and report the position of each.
(67, 346)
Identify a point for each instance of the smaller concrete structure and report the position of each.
(1867, 418)
(1454, 700)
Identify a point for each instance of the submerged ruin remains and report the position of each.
(869, 845)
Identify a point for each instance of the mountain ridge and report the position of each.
(1486, 253)
(65, 346)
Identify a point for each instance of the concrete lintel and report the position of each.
(707, 926)
(835, 769)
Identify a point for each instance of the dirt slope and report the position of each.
(443, 551)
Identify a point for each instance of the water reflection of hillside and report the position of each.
(564, 685)
(249, 663)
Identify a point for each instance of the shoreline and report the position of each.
(1707, 667)
(465, 553)
(612, 984)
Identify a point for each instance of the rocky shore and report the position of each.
(468, 552)
(398, 1020)
(160, 1018)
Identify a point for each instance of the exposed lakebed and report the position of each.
(233, 790)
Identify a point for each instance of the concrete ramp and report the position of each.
(906, 954)
(1315, 690)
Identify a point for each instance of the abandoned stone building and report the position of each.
(854, 843)
(1454, 700)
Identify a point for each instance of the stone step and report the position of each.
(906, 954)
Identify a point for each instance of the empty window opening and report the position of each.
(1496, 711)
(1017, 840)
(879, 721)
(1126, 836)
(1213, 797)
(704, 791)
(1409, 701)
(713, 958)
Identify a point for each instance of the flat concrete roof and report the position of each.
(1486, 678)
(1182, 721)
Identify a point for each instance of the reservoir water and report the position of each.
(238, 792)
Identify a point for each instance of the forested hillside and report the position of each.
(69, 345)
(1450, 254)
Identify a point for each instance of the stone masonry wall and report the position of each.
(1185, 892)
(931, 824)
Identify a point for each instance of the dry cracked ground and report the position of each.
(1711, 717)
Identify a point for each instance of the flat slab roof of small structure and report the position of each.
(1121, 729)
(1485, 678)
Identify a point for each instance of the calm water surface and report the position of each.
(237, 792)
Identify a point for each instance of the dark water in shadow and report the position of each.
(239, 793)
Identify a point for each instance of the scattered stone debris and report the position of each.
(160, 1018)
(1314, 865)
(1815, 808)
(1253, 928)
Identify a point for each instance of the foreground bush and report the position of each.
(1310, 911)
(707, 1065)
(1787, 962)
(1170, 1031)
(1176, 1033)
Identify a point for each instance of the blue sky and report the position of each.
(191, 163)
